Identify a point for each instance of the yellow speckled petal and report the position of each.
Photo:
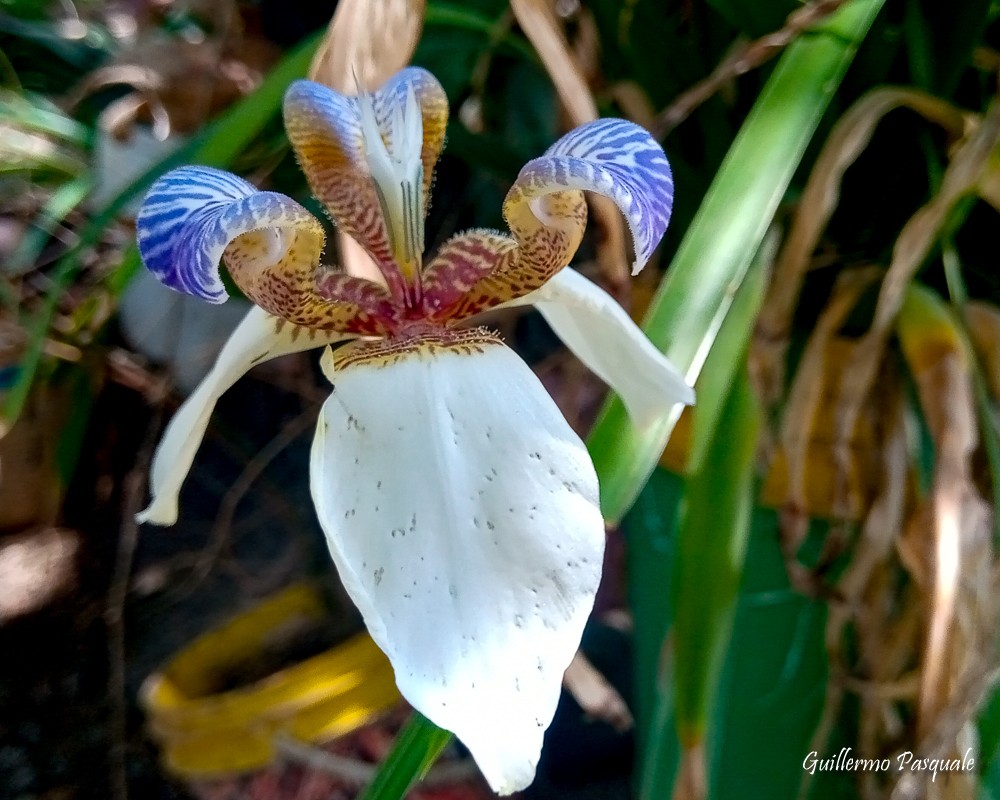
(463, 263)
(547, 231)
(546, 211)
(295, 287)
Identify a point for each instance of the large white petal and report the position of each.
(596, 328)
(259, 337)
(462, 513)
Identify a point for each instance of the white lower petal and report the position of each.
(259, 337)
(599, 332)
(462, 513)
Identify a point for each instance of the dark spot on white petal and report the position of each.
(452, 591)
(378, 575)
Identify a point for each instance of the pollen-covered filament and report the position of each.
(399, 179)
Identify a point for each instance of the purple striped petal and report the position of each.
(192, 213)
(615, 158)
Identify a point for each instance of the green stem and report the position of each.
(419, 743)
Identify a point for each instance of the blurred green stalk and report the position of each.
(416, 747)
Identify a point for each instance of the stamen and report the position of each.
(398, 176)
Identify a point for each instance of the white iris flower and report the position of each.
(460, 508)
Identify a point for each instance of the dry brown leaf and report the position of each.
(960, 522)
(848, 139)
(540, 24)
(634, 102)
(983, 320)
(595, 695)
(914, 243)
(371, 41)
(804, 437)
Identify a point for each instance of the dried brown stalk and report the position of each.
(742, 60)
(539, 22)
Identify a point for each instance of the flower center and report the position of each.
(399, 177)
(430, 342)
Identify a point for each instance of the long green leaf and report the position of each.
(711, 547)
(727, 230)
(651, 527)
(712, 536)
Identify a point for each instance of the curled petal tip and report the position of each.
(191, 214)
(173, 225)
(157, 513)
(620, 160)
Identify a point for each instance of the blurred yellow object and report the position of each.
(205, 732)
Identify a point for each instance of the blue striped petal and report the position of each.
(191, 214)
(615, 158)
